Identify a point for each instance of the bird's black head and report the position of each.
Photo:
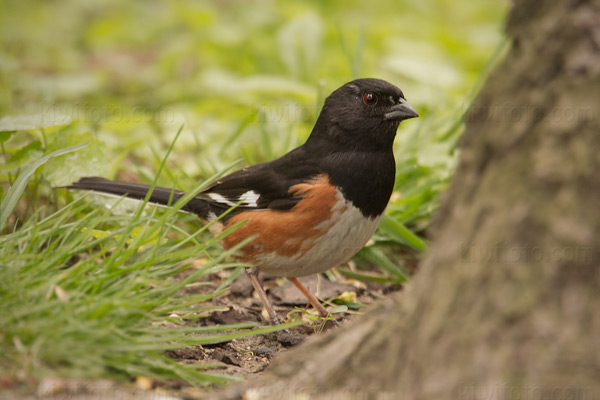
(363, 114)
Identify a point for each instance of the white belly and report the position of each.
(345, 234)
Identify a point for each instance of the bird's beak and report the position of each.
(400, 112)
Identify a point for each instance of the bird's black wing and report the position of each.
(263, 186)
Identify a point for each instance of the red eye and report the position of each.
(370, 99)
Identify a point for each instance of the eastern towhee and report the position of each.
(316, 206)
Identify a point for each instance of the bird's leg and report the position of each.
(312, 299)
(253, 276)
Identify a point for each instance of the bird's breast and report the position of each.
(322, 231)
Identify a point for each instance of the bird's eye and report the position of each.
(370, 99)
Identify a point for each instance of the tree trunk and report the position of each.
(506, 304)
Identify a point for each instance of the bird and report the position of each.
(311, 209)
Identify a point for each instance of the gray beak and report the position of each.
(400, 112)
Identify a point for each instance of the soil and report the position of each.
(251, 355)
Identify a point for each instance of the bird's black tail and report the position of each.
(160, 195)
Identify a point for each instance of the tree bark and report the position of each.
(506, 304)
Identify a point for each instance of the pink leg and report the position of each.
(312, 299)
(253, 276)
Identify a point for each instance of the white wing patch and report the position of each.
(248, 199)
(220, 199)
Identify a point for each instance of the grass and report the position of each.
(88, 293)
(87, 304)
(100, 288)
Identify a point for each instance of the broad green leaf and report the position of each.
(16, 190)
(31, 151)
(23, 156)
(338, 309)
(5, 135)
(92, 161)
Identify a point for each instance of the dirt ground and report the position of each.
(239, 357)
(251, 355)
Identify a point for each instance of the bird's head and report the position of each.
(364, 113)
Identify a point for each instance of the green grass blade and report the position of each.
(377, 257)
(401, 234)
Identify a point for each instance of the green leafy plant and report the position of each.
(16, 190)
(318, 322)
